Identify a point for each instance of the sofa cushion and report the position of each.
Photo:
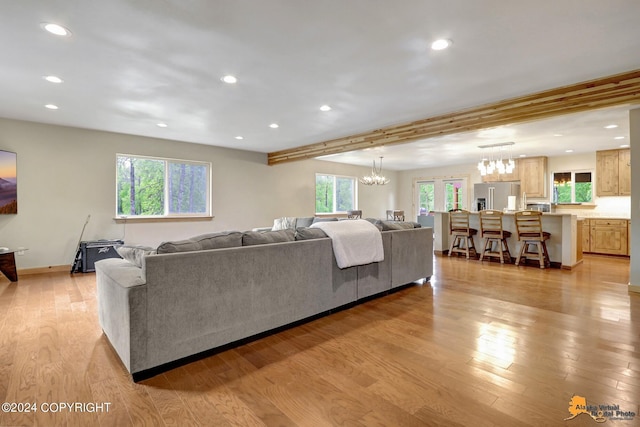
(225, 239)
(178, 246)
(135, 254)
(306, 233)
(396, 225)
(376, 222)
(284, 223)
(250, 238)
(321, 219)
(304, 221)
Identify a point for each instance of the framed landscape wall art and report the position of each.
(8, 182)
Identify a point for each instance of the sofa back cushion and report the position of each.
(250, 238)
(225, 239)
(305, 233)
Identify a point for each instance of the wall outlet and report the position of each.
(20, 251)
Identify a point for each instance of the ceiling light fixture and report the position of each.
(51, 106)
(239, 137)
(325, 108)
(487, 166)
(568, 151)
(53, 79)
(162, 125)
(56, 29)
(376, 177)
(619, 137)
(230, 79)
(611, 126)
(274, 126)
(441, 44)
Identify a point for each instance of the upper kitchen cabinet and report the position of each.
(613, 172)
(532, 173)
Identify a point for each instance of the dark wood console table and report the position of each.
(8, 264)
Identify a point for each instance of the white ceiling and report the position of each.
(132, 64)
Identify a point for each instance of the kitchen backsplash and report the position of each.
(606, 207)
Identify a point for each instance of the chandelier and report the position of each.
(376, 177)
(503, 165)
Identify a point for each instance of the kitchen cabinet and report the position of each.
(613, 172)
(624, 172)
(586, 230)
(533, 176)
(609, 236)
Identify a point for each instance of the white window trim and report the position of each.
(573, 189)
(167, 216)
(439, 202)
(335, 199)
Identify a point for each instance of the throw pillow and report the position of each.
(135, 254)
(284, 223)
(250, 238)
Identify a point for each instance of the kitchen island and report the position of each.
(563, 246)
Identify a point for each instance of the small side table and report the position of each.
(8, 263)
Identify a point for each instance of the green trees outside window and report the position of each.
(335, 194)
(572, 187)
(161, 187)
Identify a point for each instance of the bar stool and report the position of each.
(529, 227)
(495, 238)
(354, 214)
(461, 233)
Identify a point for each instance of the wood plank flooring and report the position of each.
(479, 345)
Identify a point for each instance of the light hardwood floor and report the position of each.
(480, 345)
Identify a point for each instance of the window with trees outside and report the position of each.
(157, 187)
(335, 194)
(572, 187)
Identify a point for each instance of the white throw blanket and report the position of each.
(355, 242)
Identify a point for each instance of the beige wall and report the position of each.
(65, 174)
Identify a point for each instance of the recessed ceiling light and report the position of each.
(619, 137)
(441, 44)
(325, 108)
(611, 126)
(624, 146)
(557, 134)
(523, 155)
(239, 137)
(51, 106)
(162, 125)
(53, 79)
(56, 29)
(229, 79)
(568, 151)
(274, 126)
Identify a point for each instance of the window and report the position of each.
(454, 194)
(426, 197)
(335, 194)
(155, 187)
(572, 187)
(441, 194)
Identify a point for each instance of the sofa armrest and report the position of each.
(122, 309)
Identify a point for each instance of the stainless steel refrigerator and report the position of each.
(495, 195)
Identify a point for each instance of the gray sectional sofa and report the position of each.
(160, 309)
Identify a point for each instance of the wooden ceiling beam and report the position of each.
(608, 91)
